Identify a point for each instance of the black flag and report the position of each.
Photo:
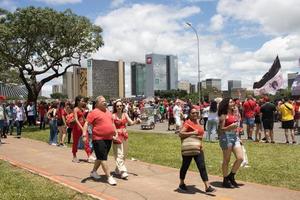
(271, 81)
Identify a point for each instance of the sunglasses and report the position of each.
(119, 106)
(194, 112)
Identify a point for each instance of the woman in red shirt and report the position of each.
(120, 146)
(80, 104)
(192, 128)
(61, 123)
(229, 141)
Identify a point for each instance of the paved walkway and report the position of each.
(146, 181)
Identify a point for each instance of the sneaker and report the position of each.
(273, 142)
(183, 187)
(210, 190)
(124, 175)
(294, 142)
(95, 175)
(226, 183)
(53, 144)
(117, 172)
(75, 160)
(111, 181)
(287, 142)
(91, 159)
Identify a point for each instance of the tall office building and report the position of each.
(106, 78)
(57, 89)
(213, 83)
(192, 88)
(79, 81)
(138, 79)
(68, 85)
(234, 84)
(162, 73)
(184, 85)
(291, 78)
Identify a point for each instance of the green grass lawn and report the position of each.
(18, 184)
(270, 164)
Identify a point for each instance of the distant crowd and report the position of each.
(98, 125)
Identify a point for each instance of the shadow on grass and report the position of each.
(191, 189)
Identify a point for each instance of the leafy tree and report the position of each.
(44, 42)
(58, 96)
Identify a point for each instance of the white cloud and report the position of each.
(216, 23)
(54, 2)
(117, 3)
(8, 5)
(275, 17)
(197, 1)
(161, 29)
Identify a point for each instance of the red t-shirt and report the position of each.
(249, 107)
(61, 112)
(102, 123)
(191, 126)
(42, 110)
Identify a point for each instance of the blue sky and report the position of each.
(239, 39)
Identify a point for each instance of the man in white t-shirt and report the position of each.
(177, 113)
(30, 114)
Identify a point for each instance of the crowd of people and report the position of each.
(98, 125)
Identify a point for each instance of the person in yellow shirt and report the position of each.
(287, 119)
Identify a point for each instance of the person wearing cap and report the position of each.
(267, 112)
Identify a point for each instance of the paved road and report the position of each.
(279, 136)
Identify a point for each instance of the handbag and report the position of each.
(245, 160)
(191, 146)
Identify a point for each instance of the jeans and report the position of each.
(42, 122)
(199, 159)
(229, 139)
(19, 125)
(53, 131)
(212, 125)
(11, 126)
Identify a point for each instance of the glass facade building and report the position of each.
(138, 78)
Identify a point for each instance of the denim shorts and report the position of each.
(229, 139)
(250, 121)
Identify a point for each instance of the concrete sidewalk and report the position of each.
(146, 181)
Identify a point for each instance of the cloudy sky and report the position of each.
(239, 39)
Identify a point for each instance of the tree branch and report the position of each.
(49, 78)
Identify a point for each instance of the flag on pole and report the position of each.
(271, 81)
(296, 86)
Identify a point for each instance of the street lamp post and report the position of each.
(200, 87)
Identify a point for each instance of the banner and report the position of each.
(271, 81)
(296, 86)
